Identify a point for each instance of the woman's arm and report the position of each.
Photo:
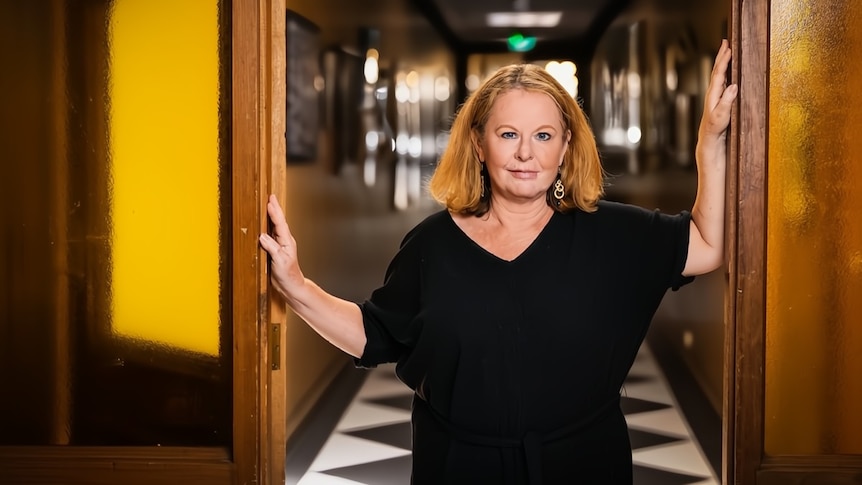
(706, 241)
(338, 321)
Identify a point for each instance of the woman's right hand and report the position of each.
(286, 276)
(338, 321)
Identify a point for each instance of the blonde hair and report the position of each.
(456, 182)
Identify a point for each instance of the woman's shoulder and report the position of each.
(434, 221)
(618, 219)
(609, 208)
(430, 226)
(608, 211)
(622, 221)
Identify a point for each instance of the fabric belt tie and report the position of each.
(531, 443)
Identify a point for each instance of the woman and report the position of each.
(516, 312)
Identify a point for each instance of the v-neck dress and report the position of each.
(518, 365)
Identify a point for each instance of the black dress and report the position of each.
(518, 365)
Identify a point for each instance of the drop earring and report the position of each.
(559, 189)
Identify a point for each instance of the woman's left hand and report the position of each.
(718, 102)
(706, 238)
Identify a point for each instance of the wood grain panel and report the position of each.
(112, 465)
(275, 156)
(248, 336)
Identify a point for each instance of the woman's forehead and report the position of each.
(518, 103)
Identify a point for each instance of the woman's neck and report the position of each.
(515, 215)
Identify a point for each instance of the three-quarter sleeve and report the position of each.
(648, 245)
(390, 314)
(671, 238)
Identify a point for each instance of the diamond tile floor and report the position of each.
(370, 444)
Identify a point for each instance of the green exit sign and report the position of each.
(521, 43)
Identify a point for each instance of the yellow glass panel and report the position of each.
(814, 230)
(164, 132)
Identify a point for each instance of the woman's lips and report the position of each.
(521, 174)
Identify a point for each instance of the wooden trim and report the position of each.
(13, 455)
(111, 465)
(728, 421)
(59, 196)
(807, 476)
(274, 156)
(813, 461)
(248, 336)
(746, 331)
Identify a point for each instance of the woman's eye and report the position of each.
(543, 136)
(509, 135)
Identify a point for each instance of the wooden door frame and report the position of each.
(744, 462)
(257, 154)
(745, 294)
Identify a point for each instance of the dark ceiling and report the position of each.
(463, 22)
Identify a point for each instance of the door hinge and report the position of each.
(275, 346)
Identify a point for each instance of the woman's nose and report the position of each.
(524, 152)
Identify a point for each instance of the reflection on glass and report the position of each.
(814, 234)
(116, 323)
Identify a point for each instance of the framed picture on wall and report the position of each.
(303, 96)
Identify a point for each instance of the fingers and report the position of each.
(282, 239)
(279, 223)
(718, 80)
(269, 244)
(719, 97)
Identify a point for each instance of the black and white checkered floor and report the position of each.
(371, 442)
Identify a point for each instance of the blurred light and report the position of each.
(564, 73)
(413, 85)
(634, 135)
(688, 339)
(441, 88)
(634, 84)
(523, 19)
(372, 70)
(520, 43)
(372, 139)
(402, 92)
(402, 143)
(412, 78)
(415, 146)
(427, 87)
(319, 83)
(472, 82)
(372, 54)
(614, 136)
(672, 80)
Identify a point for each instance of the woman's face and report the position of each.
(523, 145)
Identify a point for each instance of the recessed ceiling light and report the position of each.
(523, 19)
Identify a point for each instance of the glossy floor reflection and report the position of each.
(370, 442)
